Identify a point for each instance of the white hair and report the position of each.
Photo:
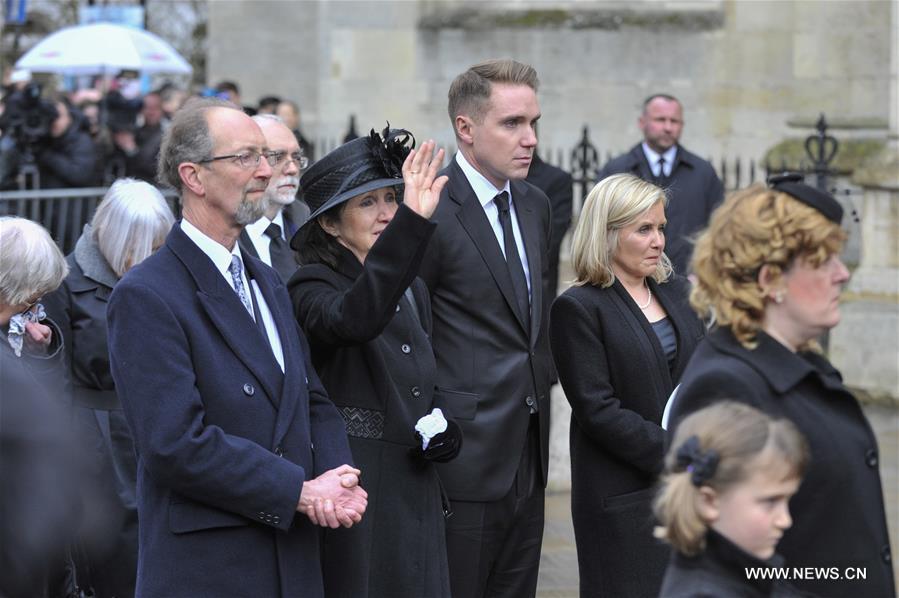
(130, 223)
(31, 265)
(261, 118)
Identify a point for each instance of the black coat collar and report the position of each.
(782, 368)
(728, 563)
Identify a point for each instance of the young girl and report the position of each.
(729, 475)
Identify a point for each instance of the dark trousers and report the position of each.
(494, 547)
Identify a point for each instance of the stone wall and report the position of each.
(742, 68)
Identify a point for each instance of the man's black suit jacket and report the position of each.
(490, 364)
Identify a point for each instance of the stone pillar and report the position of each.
(865, 346)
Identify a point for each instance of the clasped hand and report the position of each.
(334, 498)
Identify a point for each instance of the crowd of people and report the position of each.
(95, 135)
(352, 398)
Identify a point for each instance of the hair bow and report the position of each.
(391, 148)
(700, 464)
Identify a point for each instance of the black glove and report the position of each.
(443, 447)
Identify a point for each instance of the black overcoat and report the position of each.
(79, 307)
(838, 512)
(371, 348)
(224, 438)
(617, 379)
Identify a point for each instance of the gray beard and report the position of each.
(249, 212)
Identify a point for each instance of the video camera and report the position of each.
(25, 122)
(27, 117)
(121, 112)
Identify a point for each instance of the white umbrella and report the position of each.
(102, 48)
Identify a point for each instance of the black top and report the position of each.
(720, 571)
(667, 338)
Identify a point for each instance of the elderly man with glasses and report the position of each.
(268, 237)
(240, 453)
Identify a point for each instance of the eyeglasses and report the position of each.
(247, 159)
(278, 158)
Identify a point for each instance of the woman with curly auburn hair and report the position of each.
(769, 276)
(621, 338)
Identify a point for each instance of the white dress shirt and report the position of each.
(221, 258)
(653, 156)
(261, 241)
(485, 192)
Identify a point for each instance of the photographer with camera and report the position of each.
(139, 144)
(45, 141)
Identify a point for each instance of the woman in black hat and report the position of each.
(368, 320)
(769, 274)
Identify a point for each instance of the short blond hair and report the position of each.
(31, 265)
(613, 203)
(754, 227)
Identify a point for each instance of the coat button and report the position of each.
(416, 392)
(249, 390)
(279, 451)
(276, 520)
(871, 458)
(885, 554)
(397, 307)
(406, 349)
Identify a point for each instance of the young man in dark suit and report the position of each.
(268, 238)
(239, 450)
(693, 188)
(485, 269)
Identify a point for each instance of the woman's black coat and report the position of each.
(616, 377)
(838, 512)
(371, 348)
(79, 307)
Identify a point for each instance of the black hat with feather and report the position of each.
(356, 167)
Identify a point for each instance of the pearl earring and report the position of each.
(779, 296)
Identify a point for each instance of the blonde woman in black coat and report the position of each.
(368, 320)
(621, 337)
(769, 270)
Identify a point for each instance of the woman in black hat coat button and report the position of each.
(368, 320)
(769, 270)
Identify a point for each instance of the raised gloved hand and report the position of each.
(438, 439)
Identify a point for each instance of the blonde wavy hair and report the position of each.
(754, 227)
(745, 440)
(613, 203)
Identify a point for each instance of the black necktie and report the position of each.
(661, 176)
(513, 259)
(281, 255)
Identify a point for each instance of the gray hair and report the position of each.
(132, 220)
(32, 264)
(187, 139)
